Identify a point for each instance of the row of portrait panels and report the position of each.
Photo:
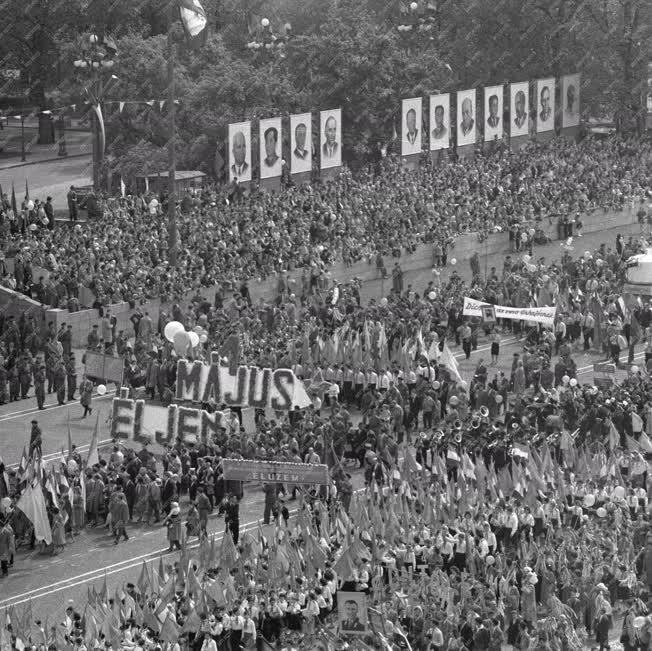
(270, 132)
(493, 115)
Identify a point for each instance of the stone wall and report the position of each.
(416, 269)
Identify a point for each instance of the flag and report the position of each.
(143, 579)
(14, 205)
(635, 332)
(69, 439)
(26, 191)
(449, 361)
(32, 504)
(193, 18)
(521, 450)
(93, 456)
(109, 44)
(22, 466)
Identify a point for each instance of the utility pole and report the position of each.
(172, 158)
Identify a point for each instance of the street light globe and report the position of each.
(265, 22)
(92, 39)
(78, 63)
(84, 64)
(96, 64)
(108, 63)
(414, 6)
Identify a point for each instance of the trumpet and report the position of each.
(438, 435)
(475, 423)
(458, 437)
(457, 425)
(484, 412)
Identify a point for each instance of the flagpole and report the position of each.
(172, 162)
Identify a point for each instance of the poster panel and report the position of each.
(301, 143)
(570, 98)
(411, 126)
(352, 613)
(493, 113)
(270, 139)
(440, 116)
(466, 117)
(331, 138)
(519, 108)
(240, 151)
(545, 105)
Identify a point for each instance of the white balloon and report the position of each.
(194, 339)
(101, 389)
(203, 338)
(453, 261)
(171, 329)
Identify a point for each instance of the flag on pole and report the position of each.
(32, 504)
(93, 455)
(449, 361)
(193, 18)
(26, 191)
(14, 205)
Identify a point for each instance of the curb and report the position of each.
(44, 160)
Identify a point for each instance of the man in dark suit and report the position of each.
(49, 212)
(493, 120)
(300, 133)
(352, 621)
(519, 104)
(240, 166)
(411, 123)
(545, 112)
(440, 131)
(330, 147)
(271, 140)
(468, 123)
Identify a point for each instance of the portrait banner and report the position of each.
(331, 138)
(519, 110)
(411, 126)
(271, 162)
(440, 116)
(352, 613)
(570, 98)
(543, 315)
(240, 151)
(545, 105)
(466, 117)
(103, 367)
(301, 143)
(493, 113)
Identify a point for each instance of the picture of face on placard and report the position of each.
(240, 153)
(271, 163)
(570, 97)
(352, 613)
(546, 105)
(519, 108)
(493, 111)
(411, 126)
(439, 121)
(331, 134)
(301, 143)
(466, 117)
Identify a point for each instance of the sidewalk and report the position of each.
(78, 144)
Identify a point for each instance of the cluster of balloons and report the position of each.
(101, 389)
(177, 335)
(566, 379)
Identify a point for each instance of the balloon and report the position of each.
(573, 382)
(30, 205)
(203, 338)
(436, 385)
(619, 491)
(453, 261)
(601, 512)
(490, 560)
(589, 500)
(193, 337)
(198, 329)
(33, 227)
(498, 398)
(171, 329)
(383, 301)
(463, 385)
(181, 341)
(523, 237)
(545, 278)
(101, 389)
(639, 622)
(531, 232)
(565, 379)
(634, 369)
(527, 258)
(454, 401)
(587, 255)
(432, 296)
(153, 203)
(533, 579)
(46, 221)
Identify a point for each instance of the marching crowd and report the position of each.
(511, 508)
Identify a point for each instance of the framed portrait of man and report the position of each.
(466, 117)
(352, 613)
(440, 125)
(488, 314)
(301, 143)
(570, 98)
(331, 138)
(493, 113)
(240, 151)
(519, 108)
(271, 161)
(545, 105)
(411, 126)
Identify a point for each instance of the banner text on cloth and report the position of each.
(275, 471)
(543, 315)
(246, 386)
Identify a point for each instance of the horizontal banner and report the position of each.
(103, 367)
(245, 386)
(544, 315)
(275, 471)
(135, 420)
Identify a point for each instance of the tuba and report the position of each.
(458, 436)
(484, 412)
(475, 422)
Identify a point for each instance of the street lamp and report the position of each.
(269, 42)
(96, 61)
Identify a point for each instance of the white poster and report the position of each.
(440, 125)
(331, 138)
(269, 134)
(240, 151)
(545, 105)
(570, 97)
(519, 97)
(493, 113)
(543, 315)
(466, 117)
(411, 126)
(301, 143)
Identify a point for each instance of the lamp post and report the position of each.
(267, 42)
(95, 63)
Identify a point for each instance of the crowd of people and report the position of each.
(508, 508)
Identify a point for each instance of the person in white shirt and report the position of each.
(209, 643)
